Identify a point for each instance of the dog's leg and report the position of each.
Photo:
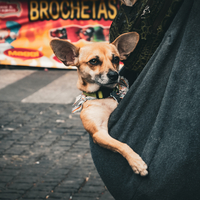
(103, 139)
(95, 120)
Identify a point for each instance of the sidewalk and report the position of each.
(44, 149)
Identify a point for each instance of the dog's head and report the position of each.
(97, 63)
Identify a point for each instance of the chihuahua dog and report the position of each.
(97, 66)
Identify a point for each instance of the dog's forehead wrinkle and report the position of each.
(98, 50)
(95, 57)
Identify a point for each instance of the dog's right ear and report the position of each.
(126, 43)
(65, 51)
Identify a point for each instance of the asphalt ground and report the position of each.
(44, 149)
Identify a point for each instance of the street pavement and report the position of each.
(44, 149)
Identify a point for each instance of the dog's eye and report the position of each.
(94, 61)
(115, 60)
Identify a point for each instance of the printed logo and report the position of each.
(23, 53)
(8, 9)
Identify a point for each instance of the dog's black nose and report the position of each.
(112, 75)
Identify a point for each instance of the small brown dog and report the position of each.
(97, 67)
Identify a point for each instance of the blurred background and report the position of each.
(27, 27)
(44, 149)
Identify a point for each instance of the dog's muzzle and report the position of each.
(109, 79)
(113, 76)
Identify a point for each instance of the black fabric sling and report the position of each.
(159, 119)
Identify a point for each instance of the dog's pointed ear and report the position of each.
(65, 51)
(126, 43)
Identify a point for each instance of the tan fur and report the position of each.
(95, 113)
(105, 52)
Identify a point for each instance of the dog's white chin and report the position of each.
(93, 87)
(112, 85)
(104, 81)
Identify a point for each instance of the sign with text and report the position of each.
(27, 27)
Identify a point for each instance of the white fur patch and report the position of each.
(92, 74)
(103, 79)
(93, 87)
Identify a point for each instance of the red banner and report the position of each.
(27, 27)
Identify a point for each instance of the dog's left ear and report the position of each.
(126, 43)
(65, 51)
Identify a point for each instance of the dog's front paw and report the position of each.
(138, 165)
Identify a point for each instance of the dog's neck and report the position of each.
(93, 90)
